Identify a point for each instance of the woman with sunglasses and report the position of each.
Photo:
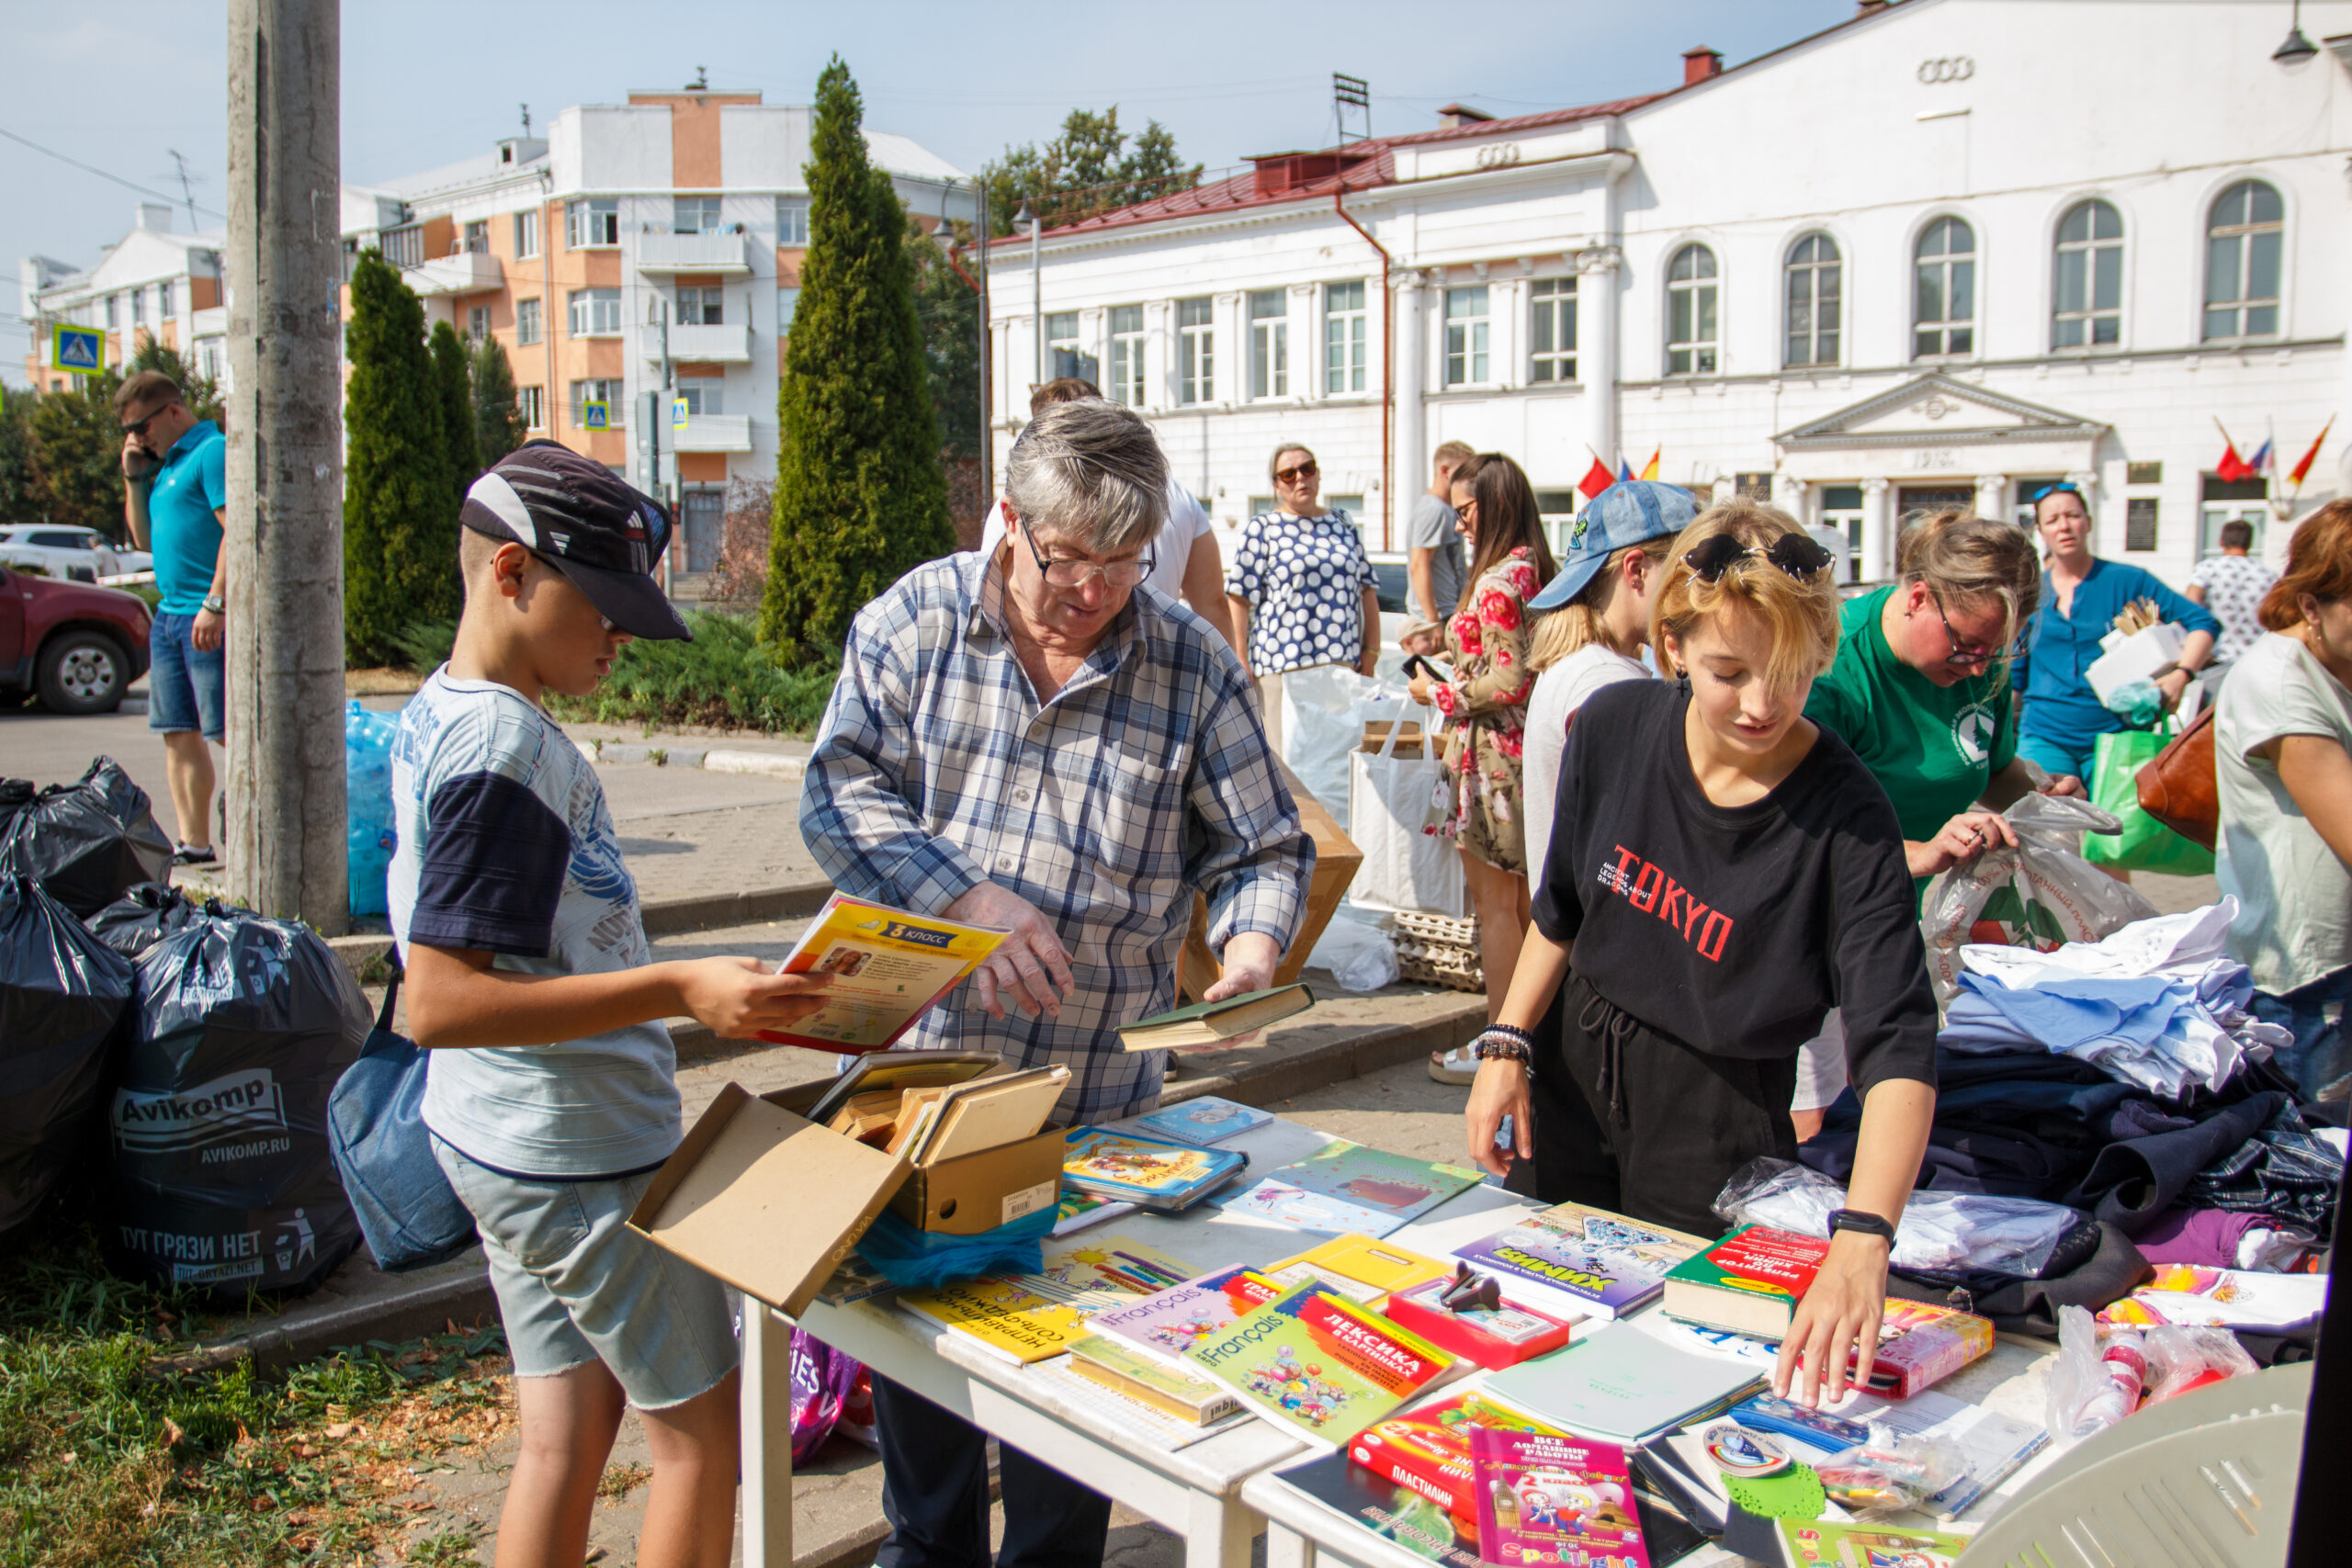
(1722, 872)
(1301, 589)
(2081, 595)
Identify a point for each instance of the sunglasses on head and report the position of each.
(1792, 553)
(1292, 476)
(2064, 487)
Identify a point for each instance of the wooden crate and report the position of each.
(1336, 859)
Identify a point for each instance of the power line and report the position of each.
(92, 169)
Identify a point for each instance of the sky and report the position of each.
(121, 87)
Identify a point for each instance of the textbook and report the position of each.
(1833, 1545)
(887, 966)
(1202, 1122)
(1427, 1449)
(1118, 1366)
(1205, 1023)
(1358, 1267)
(1549, 1499)
(1318, 1366)
(1357, 1181)
(1109, 1261)
(1079, 1210)
(1280, 1203)
(1021, 1317)
(1166, 1325)
(1145, 1171)
(1389, 1509)
(1749, 1282)
(1571, 1260)
(1620, 1384)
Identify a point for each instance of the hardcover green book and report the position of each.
(1205, 1023)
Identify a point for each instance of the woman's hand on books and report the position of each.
(1031, 970)
(1835, 1324)
(737, 998)
(1499, 1090)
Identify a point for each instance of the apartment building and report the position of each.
(152, 283)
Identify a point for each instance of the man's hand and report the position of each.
(737, 998)
(2065, 783)
(1499, 1090)
(1249, 960)
(1838, 1316)
(138, 463)
(1962, 839)
(209, 628)
(2172, 686)
(1031, 969)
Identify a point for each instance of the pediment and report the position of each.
(1937, 411)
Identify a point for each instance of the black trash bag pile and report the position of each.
(222, 1177)
(147, 914)
(61, 995)
(85, 843)
(15, 795)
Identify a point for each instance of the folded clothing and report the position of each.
(2222, 1238)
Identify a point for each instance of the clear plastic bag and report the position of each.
(1893, 1474)
(1942, 1232)
(2096, 1381)
(2180, 1360)
(1359, 954)
(2040, 895)
(368, 772)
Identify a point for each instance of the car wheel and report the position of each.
(83, 672)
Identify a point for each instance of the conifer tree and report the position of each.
(498, 422)
(454, 376)
(400, 521)
(860, 497)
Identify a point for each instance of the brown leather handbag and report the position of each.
(2177, 788)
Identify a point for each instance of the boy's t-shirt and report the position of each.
(506, 846)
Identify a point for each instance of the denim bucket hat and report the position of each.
(1627, 513)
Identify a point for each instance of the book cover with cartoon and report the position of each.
(1320, 1366)
(1123, 1166)
(1552, 1500)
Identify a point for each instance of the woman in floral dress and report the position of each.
(1486, 705)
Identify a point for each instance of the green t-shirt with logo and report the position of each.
(1932, 747)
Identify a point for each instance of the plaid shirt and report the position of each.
(1147, 776)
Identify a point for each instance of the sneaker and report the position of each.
(1458, 1066)
(193, 854)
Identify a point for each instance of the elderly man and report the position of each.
(1021, 740)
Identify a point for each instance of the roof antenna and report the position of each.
(185, 193)
(526, 120)
(1347, 92)
(701, 83)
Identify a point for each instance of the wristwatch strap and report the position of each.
(1857, 1220)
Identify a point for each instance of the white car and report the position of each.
(76, 555)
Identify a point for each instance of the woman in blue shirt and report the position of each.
(2080, 598)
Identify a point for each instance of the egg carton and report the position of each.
(1433, 964)
(1437, 929)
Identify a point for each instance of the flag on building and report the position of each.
(2304, 467)
(1595, 478)
(1624, 470)
(1649, 469)
(2232, 467)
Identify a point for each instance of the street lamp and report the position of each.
(2298, 48)
(1036, 294)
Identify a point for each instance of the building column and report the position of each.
(1407, 462)
(2106, 534)
(1596, 308)
(1878, 532)
(1992, 496)
(1796, 497)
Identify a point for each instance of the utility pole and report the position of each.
(988, 378)
(283, 551)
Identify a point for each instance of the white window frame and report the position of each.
(791, 221)
(1808, 273)
(705, 297)
(1268, 310)
(530, 320)
(587, 218)
(1552, 317)
(112, 302)
(1347, 335)
(2242, 238)
(475, 239)
(1196, 350)
(1127, 330)
(709, 214)
(476, 322)
(703, 396)
(1465, 345)
(607, 389)
(2082, 257)
(532, 401)
(587, 314)
(1955, 335)
(787, 306)
(139, 307)
(164, 312)
(1694, 342)
(526, 234)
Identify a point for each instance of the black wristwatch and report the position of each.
(1856, 1220)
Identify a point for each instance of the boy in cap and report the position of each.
(552, 1091)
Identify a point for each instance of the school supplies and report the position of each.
(1204, 1122)
(1823, 1541)
(1548, 1499)
(886, 968)
(1318, 1366)
(1207, 1024)
(1620, 1384)
(1358, 1267)
(1921, 1343)
(1168, 1323)
(1427, 1448)
(1469, 1315)
(1571, 1260)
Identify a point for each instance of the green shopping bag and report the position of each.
(2145, 844)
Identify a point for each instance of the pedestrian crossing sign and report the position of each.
(82, 350)
(679, 414)
(595, 416)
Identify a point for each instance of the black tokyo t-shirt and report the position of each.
(1736, 928)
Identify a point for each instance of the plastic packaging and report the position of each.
(823, 1382)
(143, 916)
(1940, 1233)
(1323, 716)
(86, 843)
(368, 776)
(915, 1259)
(1891, 1473)
(2040, 894)
(62, 994)
(221, 1176)
(2181, 1359)
(2097, 1377)
(2137, 703)
(1359, 954)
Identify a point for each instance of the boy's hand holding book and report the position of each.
(737, 998)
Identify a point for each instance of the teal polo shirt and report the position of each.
(185, 535)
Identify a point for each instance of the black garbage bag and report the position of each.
(15, 794)
(221, 1174)
(85, 843)
(146, 914)
(62, 994)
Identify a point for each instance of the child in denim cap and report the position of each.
(551, 1094)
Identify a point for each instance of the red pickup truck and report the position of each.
(79, 647)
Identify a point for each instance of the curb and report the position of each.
(1350, 1057)
(458, 1290)
(716, 759)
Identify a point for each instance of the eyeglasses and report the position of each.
(1792, 553)
(1962, 652)
(2064, 487)
(1078, 573)
(139, 427)
(1292, 476)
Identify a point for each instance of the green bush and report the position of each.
(425, 645)
(722, 680)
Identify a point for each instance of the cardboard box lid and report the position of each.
(764, 1200)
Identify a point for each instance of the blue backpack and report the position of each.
(407, 1209)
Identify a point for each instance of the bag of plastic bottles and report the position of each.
(368, 772)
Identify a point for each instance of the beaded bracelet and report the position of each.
(1489, 1050)
(1510, 1031)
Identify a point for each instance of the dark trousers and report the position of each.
(1637, 1123)
(935, 1495)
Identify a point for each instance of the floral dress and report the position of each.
(1485, 707)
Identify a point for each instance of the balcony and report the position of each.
(698, 345)
(714, 432)
(725, 252)
(468, 272)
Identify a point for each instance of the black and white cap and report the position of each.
(603, 534)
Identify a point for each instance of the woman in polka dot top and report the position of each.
(1301, 589)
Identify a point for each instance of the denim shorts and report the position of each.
(2055, 759)
(575, 1284)
(184, 683)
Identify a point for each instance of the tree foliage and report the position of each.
(69, 464)
(860, 498)
(498, 420)
(400, 522)
(1088, 169)
(454, 379)
(949, 307)
(20, 484)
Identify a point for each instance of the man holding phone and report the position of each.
(175, 493)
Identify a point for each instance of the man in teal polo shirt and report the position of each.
(175, 466)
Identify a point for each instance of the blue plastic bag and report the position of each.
(368, 772)
(919, 1259)
(407, 1211)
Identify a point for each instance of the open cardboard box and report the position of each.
(1336, 860)
(767, 1200)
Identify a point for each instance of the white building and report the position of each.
(152, 283)
(1943, 253)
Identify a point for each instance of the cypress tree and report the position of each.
(400, 522)
(455, 377)
(498, 423)
(860, 497)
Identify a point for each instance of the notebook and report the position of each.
(1620, 1383)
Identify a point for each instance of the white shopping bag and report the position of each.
(1389, 800)
(1324, 712)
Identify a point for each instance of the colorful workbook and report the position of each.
(1549, 1499)
(1175, 1392)
(1427, 1448)
(886, 968)
(1148, 1172)
(1586, 1262)
(1381, 1190)
(1109, 1261)
(1389, 1509)
(1204, 1122)
(1826, 1542)
(1079, 1210)
(1021, 1317)
(1620, 1384)
(1358, 1267)
(1170, 1322)
(1318, 1366)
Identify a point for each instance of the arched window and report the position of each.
(2243, 246)
(1943, 292)
(1691, 312)
(2086, 307)
(1816, 276)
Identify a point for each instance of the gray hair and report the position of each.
(1093, 473)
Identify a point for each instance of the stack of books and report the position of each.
(1151, 1173)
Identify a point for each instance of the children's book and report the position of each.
(1168, 1323)
(1358, 1267)
(1549, 1499)
(1079, 1210)
(1204, 1122)
(1373, 1179)
(887, 967)
(1021, 1317)
(1109, 1261)
(1620, 1384)
(1148, 1172)
(1572, 1260)
(1118, 1366)
(1920, 1343)
(1427, 1448)
(1750, 1282)
(1811, 1542)
(1389, 1509)
(1280, 1203)
(1318, 1366)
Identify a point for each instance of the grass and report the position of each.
(107, 1457)
(722, 680)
